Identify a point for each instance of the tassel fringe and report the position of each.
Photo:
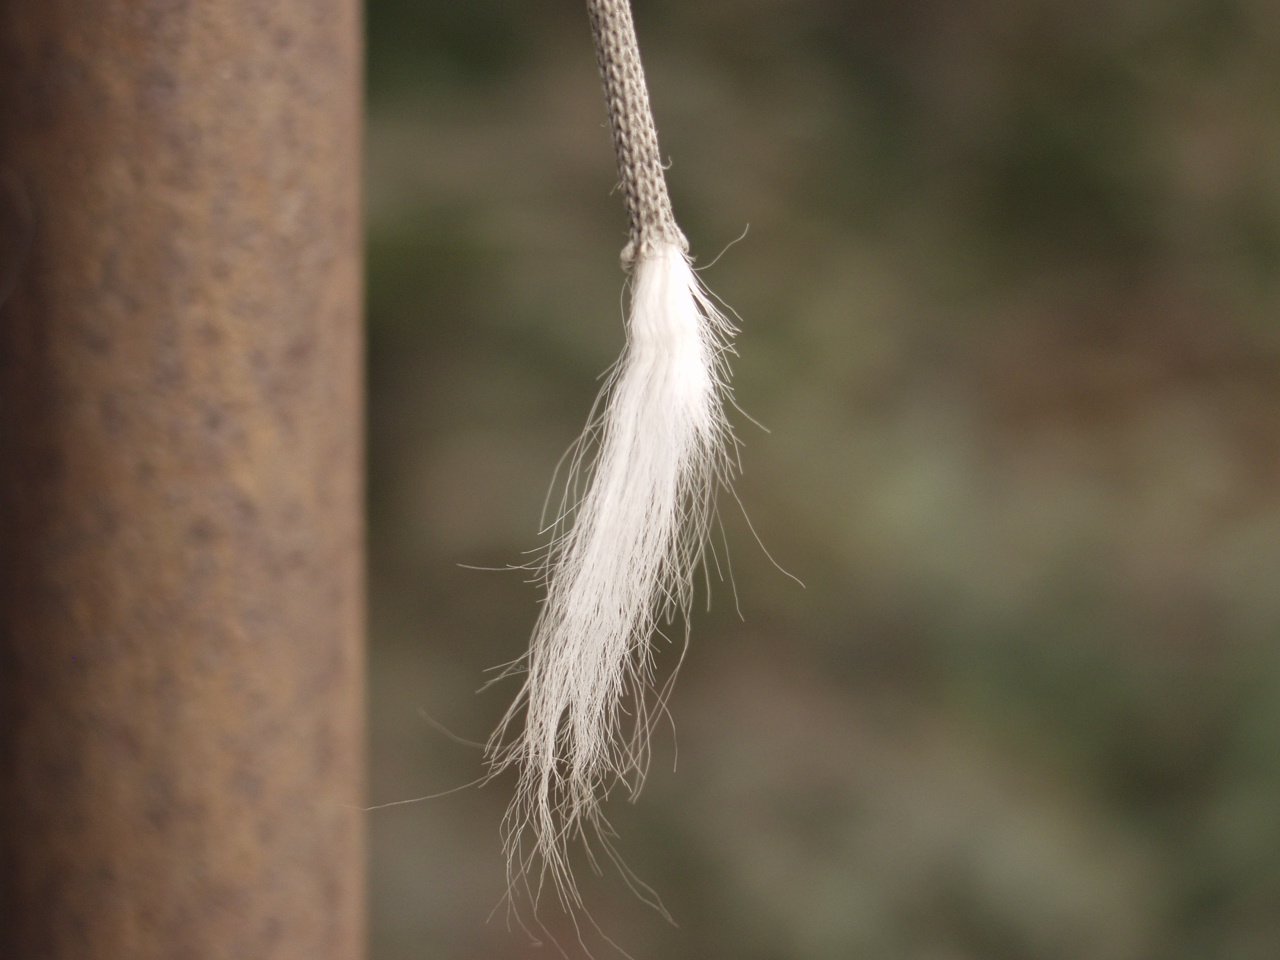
(618, 568)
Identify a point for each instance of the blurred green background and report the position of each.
(1010, 309)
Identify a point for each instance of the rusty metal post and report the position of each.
(181, 595)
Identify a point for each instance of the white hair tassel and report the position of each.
(622, 556)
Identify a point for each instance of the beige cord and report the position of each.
(635, 139)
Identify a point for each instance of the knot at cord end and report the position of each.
(646, 245)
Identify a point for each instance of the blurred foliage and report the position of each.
(1009, 302)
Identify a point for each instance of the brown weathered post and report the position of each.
(181, 595)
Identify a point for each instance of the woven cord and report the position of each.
(635, 139)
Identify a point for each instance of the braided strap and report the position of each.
(635, 139)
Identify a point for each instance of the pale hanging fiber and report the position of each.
(622, 555)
